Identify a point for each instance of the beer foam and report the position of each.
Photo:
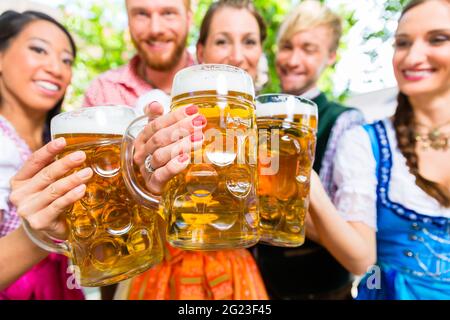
(289, 107)
(212, 77)
(95, 120)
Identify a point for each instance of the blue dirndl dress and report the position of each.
(413, 250)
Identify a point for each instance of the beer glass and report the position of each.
(111, 237)
(212, 204)
(287, 139)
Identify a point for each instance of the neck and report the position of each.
(29, 124)
(162, 79)
(431, 111)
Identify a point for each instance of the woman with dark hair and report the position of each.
(36, 57)
(227, 274)
(392, 213)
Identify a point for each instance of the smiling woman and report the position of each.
(36, 56)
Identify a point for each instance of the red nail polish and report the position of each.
(199, 121)
(183, 157)
(191, 110)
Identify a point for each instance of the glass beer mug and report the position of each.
(212, 204)
(111, 237)
(287, 128)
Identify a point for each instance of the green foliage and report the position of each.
(104, 42)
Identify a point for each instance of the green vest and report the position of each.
(328, 113)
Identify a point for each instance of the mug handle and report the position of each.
(140, 194)
(45, 242)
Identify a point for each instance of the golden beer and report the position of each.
(111, 236)
(287, 139)
(213, 204)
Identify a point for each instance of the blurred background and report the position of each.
(362, 76)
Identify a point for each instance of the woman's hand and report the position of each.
(40, 191)
(168, 141)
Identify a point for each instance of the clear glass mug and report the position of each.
(287, 127)
(212, 204)
(111, 237)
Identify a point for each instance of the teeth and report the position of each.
(409, 73)
(47, 85)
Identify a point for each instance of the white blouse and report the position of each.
(10, 162)
(355, 175)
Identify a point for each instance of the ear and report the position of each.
(200, 51)
(332, 58)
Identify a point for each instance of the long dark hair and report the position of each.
(404, 130)
(237, 4)
(11, 25)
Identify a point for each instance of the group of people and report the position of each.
(380, 193)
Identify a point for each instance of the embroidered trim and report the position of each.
(384, 172)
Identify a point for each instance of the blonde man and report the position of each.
(307, 44)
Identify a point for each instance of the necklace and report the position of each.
(434, 138)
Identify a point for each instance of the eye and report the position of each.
(68, 61)
(169, 13)
(310, 49)
(402, 43)
(220, 42)
(250, 42)
(286, 46)
(38, 50)
(438, 39)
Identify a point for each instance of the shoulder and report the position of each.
(10, 155)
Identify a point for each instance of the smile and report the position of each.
(48, 85)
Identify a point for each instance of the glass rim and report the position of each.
(113, 111)
(285, 95)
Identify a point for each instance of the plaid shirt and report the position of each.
(119, 86)
(10, 220)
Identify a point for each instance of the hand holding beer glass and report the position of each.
(287, 138)
(212, 203)
(111, 237)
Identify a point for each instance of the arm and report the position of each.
(17, 255)
(353, 244)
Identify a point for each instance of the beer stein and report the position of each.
(212, 204)
(287, 128)
(111, 237)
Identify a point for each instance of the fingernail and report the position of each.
(80, 188)
(199, 121)
(86, 172)
(60, 142)
(191, 110)
(77, 156)
(196, 136)
(183, 158)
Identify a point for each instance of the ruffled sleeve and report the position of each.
(10, 162)
(355, 177)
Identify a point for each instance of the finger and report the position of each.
(47, 176)
(49, 219)
(54, 191)
(190, 143)
(171, 134)
(40, 158)
(161, 176)
(165, 121)
(154, 110)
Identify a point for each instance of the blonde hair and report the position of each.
(310, 14)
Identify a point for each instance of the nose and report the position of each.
(54, 66)
(237, 55)
(156, 25)
(295, 58)
(417, 53)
